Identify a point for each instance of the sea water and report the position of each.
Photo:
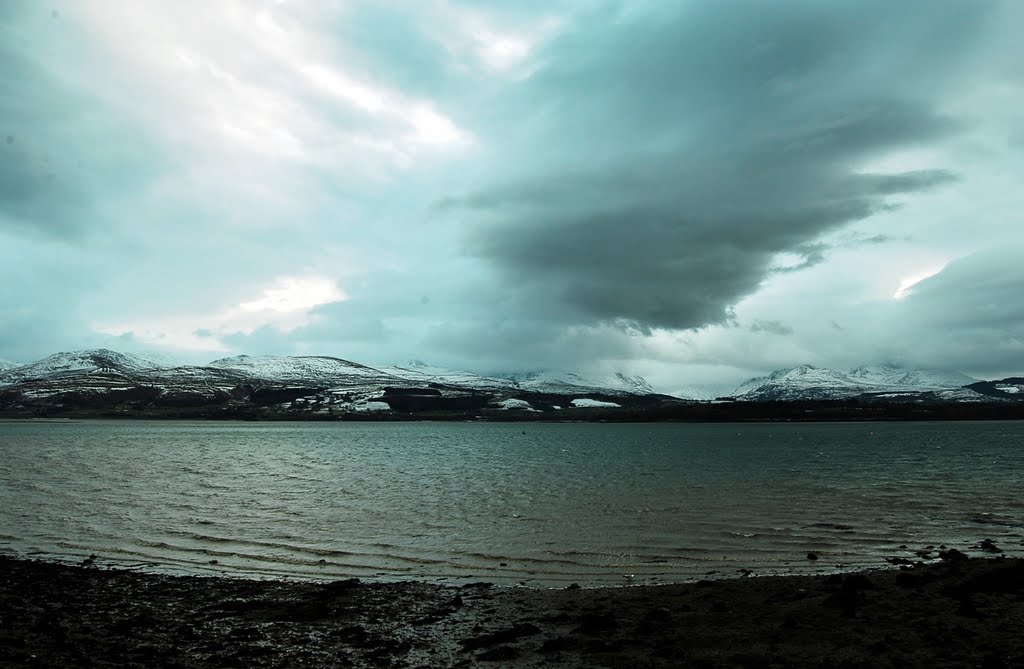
(538, 504)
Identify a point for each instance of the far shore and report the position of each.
(837, 411)
(955, 613)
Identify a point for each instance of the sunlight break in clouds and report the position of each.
(238, 77)
(907, 284)
(286, 305)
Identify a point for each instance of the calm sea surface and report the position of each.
(544, 504)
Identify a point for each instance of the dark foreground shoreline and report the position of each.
(958, 613)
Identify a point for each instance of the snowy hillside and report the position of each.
(293, 386)
(886, 375)
(810, 382)
(702, 393)
(7, 364)
(92, 361)
(557, 381)
(794, 379)
(1000, 389)
(308, 370)
(561, 382)
(422, 372)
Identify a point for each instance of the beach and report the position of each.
(953, 613)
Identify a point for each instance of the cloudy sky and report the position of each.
(693, 191)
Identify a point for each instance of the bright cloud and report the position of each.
(285, 305)
(907, 284)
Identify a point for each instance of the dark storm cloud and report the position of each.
(679, 152)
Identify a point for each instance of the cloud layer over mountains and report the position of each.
(695, 192)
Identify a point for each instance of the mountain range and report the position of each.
(298, 385)
(807, 382)
(112, 383)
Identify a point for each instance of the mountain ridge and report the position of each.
(311, 385)
(810, 382)
(295, 385)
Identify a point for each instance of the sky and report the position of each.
(696, 192)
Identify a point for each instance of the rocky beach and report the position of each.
(957, 612)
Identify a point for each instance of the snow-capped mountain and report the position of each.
(558, 381)
(425, 373)
(7, 364)
(98, 360)
(104, 382)
(307, 370)
(699, 393)
(807, 382)
(925, 379)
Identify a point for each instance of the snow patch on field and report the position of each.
(587, 403)
(371, 406)
(513, 404)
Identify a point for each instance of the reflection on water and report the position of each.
(540, 503)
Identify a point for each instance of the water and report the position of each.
(543, 504)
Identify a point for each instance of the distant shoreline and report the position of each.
(960, 612)
(682, 412)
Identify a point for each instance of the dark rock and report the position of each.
(499, 654)
(1002, 580)
(603, 646)
(660, 615)
(334, 587)
(847, 600)
(573, 586)
(967, 609)
(812, 556)
(559, 644)
(988, 546)
(479, 585)
(857, 582)
(953, 555)
(504, 636)
(597, 623)
(907, 580)
(355, 635)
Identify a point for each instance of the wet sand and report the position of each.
(957, 613)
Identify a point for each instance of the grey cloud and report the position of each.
(389, 44)
(771, 327)
(38, 197)
(60, 142)
(678, 153)
(971, 313)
